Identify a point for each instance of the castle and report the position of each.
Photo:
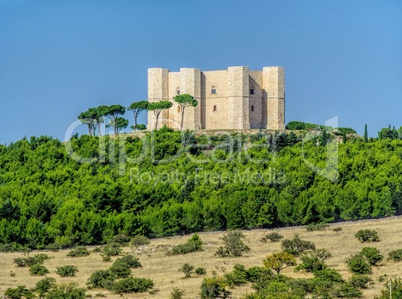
(236, 98)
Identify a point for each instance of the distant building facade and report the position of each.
(236, 98)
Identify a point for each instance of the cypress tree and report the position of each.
(365, 133)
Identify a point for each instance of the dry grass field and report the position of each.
(163, 270)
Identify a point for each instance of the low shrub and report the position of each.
(132, 285)
(139, 240)
(53, 247)
(347, 290)
(67, 270)
(296, 245)
(360, 281)
(358, 264)
(44, 285)
(66, 291)
(273, 237)
(192, 244)
(78, 252)
(256, 273)
(310, 264)
(18, 293)
(176, 293)
(372, 255)
(29, 261)
(187, 269)
(111, 249)
(97, 250)
(328, 274)
(233, 244)
(367, 235)
(395, 255)
(317, 227)
(214, 287)
(120, 239)
(237, 277)
(129, 261)
(101, 279)
(337, 229)
(120, 270)
(200, 271)
(38, 270)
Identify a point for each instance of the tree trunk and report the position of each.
(156, 123)
(182, 118)
(99, 129)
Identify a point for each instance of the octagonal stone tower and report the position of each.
(236, 98)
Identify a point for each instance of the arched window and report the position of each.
(251, 90)
(252, 108)
(178, 91)
(213, 90)
(214, 108)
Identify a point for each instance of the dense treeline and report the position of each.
(169, 182)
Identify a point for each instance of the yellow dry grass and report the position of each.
(163, 270)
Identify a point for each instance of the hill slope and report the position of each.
(163, 270)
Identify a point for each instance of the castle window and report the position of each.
(178, 108)
(252, 90)
(214, 108)
(213, 90)
(252, 108)
(178, 91)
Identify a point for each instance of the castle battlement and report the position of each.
(236, 98)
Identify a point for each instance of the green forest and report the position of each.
(167, 182)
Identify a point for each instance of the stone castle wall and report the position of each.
(236, 98)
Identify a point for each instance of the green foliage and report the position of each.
(50, 200)
(192, 244)
(273, 237)
(317, 227)
(200, 271)
(310, 264)
(101, 279)
(233, 244)
(19, 293)
(111, 249)
(237, 277)
(29, 261)
(78, 252)
(129, 261)
(176, 293)
(121, 239)
(299, 125)
(66, 291)
(279, 261)
(187, 269)
(347, 291)
(214, 287)
(372, 255)
(137, 108)
(296, 245)
(395, 285)
(132, 285)
(139, 240)
(38, 270)
(367, 235)
(395, 255)
(44, 285)
(358, 264)
(360, 281)
(120, 270)
(67, 270)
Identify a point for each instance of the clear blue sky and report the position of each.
(59, 57)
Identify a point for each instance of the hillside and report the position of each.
(163, 270)
(168, 183)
